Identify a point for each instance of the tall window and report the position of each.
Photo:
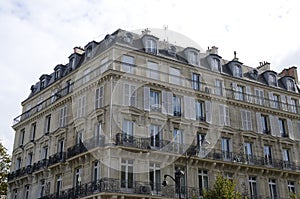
(18, 163)
(291, 187)
(253, 187)
(259, 96)
(80, 107)
(129, 95)
(58, 186)
(200, 110)
(79, 137)
(99, 136)
(282, 127)
(268, 155)
(240, 93)
(89, 52)
(293, 105)
(219, 87)
(42, 188)
(127, 64)
(155, 100)
(276, 101)
(63, 116)
(104, 63)
(286, 158)
(44, 154)
(196, 81)
(174, 76)
(203, 181)
(237, 71)
(27, 192)
(15, 194)
(248, 152)
(290, 85)
(22, 137)
(178, 140)
(60, 148)
(151, 46)
(128, 131)
(193, 58)
(32, 131)
(216, 65)
(86, 75)
(246, 120)
(182, 179)
(47, 124)
(155, 136)
(155, 176)
(77, 176)
(99, 97)
(224, 115)
(272, 189)
(272, 80)
(29, 158)
(226, 148)
(127, 173)
(153, 70)
(265, 124)
(177, 105)
(96, 171)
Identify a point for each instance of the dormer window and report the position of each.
(272, 80)
(151, 46)
(290, 85)
(89, 52)
(57, 73)
(193, 58)
(43, 83)
(172, 51)
(72, 62)
(128, 38)
(237, 71)
(216, 64)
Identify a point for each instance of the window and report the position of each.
(193, 58)
(240, 93)
(248, 152)
(86, 75)
(282, 127)
(237, 71)
(54, 96)
(127, 173)
(99, 136)
(259, 96)
(63, 116)
(246, 120)
(272, 80)
(268, 155)
(178, 140)
(18, 163)
(58, 186)
(39, 104)
(200, 110)
(219, 87)
(203, 181)
(264, 119)
(42, 188)
(291, 187)
(15, 194)
(32, 131)
(43, 83)
(155, 176)
(96, 171)
(153, 70)
(47, 124)
(79, 137)
(104, 63)
(177, 105)
(286, 158)
(182, 179)
(129, 95)
(293, 105)
(27, 192)
(224, 115)
(253, 187)
(154, 100)
(29, 159)
(272, 189)
(276, 101)
(22, 137)
(44, 154)
(72, 62)
(89, 52)
(60, 148)
(174, 76)
(128, 131)
(127, 64)
(196, 81)
(290, 85)
(155, 136)
(77, 177)
(226, 148)
(99, 97)
(80, 107)
(216, 65)
(151, 46)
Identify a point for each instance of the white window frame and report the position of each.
(127, 168)
(99, 97)
(224, 118)
(253, 187)
(129, 94)
(63, 116)
(153, 70)
(246, 120)
(80, 111)
(156, 175)
(127, 64)
(203, 180)
(273, 189)
(174, 76)
(155, 136)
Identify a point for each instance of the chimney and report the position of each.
(292, 71)
(213, 50)
(263, 66)
(78, 50)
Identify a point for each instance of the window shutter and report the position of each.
(221, 114)
(208, 112)
(133, 101)
(283, 102)
(192, 109)
(249, 94)
(126, 94)
(187, 106)
(170, 103)
(290, 129)
(164, 96)
(97, 98)
(289, 103)
(223, 89)
(249, 119)
(234, 87)
(244, 119)
(146, 98)
(227, 117)
(271, 99)
(274, 126)
(258, 123)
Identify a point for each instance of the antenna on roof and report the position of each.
(165, 27)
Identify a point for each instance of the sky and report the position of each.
(36, 35)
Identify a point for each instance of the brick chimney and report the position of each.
(78, 50)
(292, 71)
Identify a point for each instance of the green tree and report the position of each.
(4, 170)
(223, 189)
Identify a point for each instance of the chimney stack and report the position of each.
(213, 50)
(292, 71)
(78, 50)
(263, 66)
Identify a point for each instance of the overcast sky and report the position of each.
(36, 35)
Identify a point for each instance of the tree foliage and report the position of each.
(223, 189)
(4, 169)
